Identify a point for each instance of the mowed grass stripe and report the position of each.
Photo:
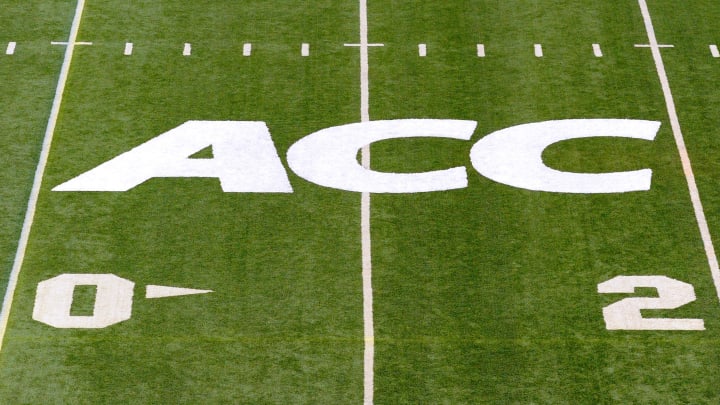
(29, 78)
(682, 150)
(470, 269)
(692, 72)
(39, 173)
(281, 266)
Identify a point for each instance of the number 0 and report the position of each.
(54, 297)
(625, 314)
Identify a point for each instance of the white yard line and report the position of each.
(187, 49)
(680, 142)
(247, 49)
(128, 49)
(654, 46)
(480, 50)
(305, 49)
(65, 43)
(10, 50)
(597, 51)
(39, 172)
(368, 322)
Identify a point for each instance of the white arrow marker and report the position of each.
(159, 291)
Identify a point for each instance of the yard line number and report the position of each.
(112, 302)
(625, 314)
(114, 299)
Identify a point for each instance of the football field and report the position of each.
(346, 202)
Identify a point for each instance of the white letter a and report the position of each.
(245, 160)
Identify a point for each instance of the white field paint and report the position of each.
(113, 300)
(714, 51)
(39, 172)
(247, 49)
(538, 51)
(625, 314)
(161, 291)
(329, 157)
(65, 43)
(305, 49)
(657, 45)
(597, 51)
(10, 48)
(422, 50)
(187, 49)
(358, 45)
(368, 317)
(480, 50)
(682, 150)
(245, 160)
(513, 156)
(54, 297)
(128, 49)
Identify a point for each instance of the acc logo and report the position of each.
(246, 160)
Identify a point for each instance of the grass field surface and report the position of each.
(482, 294)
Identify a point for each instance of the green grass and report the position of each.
(28, 87)
(486, 294)
(502, 282)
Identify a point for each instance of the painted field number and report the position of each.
(625, 314)
(112, 303)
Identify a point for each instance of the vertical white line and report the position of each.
(368, 322)
(422, 50)
(597, 51)
(305, 50)
(714, 51)
(39, 173)
(682, 150)
(480, 50)
(187, 49)
(247, 49)
(10, 48)
(538, 51)
(128, 49)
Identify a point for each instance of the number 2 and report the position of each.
(625, 314)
